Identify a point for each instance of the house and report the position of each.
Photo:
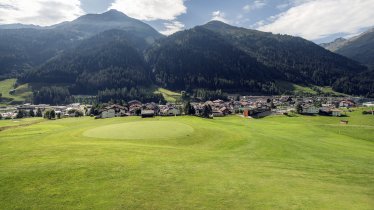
(135, 110)
(369, 104)
(134, 102)
(225, 110)
(9, 115)
(336, 112)
(147, 113)
(113, 111)
(310, 109)
(347, 103)
(170, 111)
(218, 102)
(107, 113)
(152, 106)
(120, 111)
(217, 113)
(198, 109)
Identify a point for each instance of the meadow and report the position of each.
(301, 162)
(21, 94)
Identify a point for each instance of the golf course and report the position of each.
(278, 162)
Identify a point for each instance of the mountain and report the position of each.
(335, 45)
(217, 55)
(19, 26)
(110, 59)
(26, 48)
(200, 58)
(91, 24)
(114, 56)
(23, 49)
(359, 48)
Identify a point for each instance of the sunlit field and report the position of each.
(301, 162)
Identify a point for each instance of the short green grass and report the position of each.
(141, 130)
(169, 95)
(224, 163)
(18, 122)
(22, 92)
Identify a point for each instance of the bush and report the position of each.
(31, 113)
(50, 114)
(367, 112)
(21, 114)
(76, 113)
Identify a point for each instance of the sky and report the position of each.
(315, 20)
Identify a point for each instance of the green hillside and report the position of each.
(311, 90)
(168, 95)
(20, 95)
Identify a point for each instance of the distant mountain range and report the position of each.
(18, 26)
(359, 48)
(112, 51)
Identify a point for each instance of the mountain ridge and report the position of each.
(359, 48)
(131, 54)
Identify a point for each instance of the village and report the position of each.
(246, 106)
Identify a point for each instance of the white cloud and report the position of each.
(150, 9)
(172, 27)
(258, 4)
(219, 16)
(39, 12)
(316, 19)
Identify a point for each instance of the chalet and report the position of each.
(8, 115)
(169, 111)
(134, 102)
(347, 103)
(218, 102)
(225, 110)
(310, 109)
(198, 109)
(336, 112)
(135, 109)
(217, 113)
(368, 104)
(151, 106)
(285, 99)
(120, 111)
(107, 113)
(173, 111)
(113, 111)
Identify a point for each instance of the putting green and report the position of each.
(141, 130)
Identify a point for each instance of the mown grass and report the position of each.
(168, 95)
(18, 122)
(22, 93)
(226, 163)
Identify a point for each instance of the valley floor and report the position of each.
(189, 163)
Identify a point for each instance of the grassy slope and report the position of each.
(301, 90)
(227, 163)
(169, 95)
(22, 93)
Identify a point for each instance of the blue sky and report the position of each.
(316, 20)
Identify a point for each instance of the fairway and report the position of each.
(279, 162)
(141, 130)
